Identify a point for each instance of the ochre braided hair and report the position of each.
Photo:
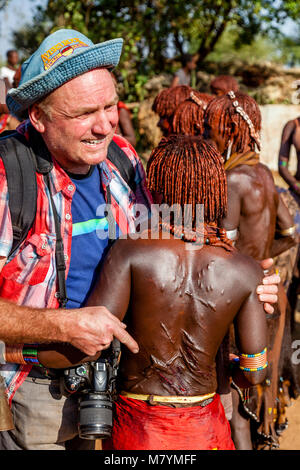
(224, 83)
(188, 170)
(222, 116)
(189, 116)
(166, 102)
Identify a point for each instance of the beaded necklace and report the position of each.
(209, 235)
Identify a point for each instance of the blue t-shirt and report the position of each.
(89, 236)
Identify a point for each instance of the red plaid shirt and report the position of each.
(29, 277)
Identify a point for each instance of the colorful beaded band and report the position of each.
(283, 163)
(30, 355)
(22, 354)
(296, 185)
(253, 362)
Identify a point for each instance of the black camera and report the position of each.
(96, 381)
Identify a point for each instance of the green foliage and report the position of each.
(231, 49)
(3, 4)
(157, 31)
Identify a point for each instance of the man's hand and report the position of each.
(91, 329)
(267, 292)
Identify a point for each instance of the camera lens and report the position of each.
(95, 416)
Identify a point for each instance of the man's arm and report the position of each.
(112, 292)
(89, 329)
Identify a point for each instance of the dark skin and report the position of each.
(125, 127)
(254, 202)
(178, 306)
(290, 136)
(256, 209)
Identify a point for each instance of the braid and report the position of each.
(168, 99)
(188, 170)
(224, 83)
(221, 115)
(189, 116)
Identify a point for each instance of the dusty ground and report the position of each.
(290, 439)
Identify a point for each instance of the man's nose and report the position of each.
(102, 123)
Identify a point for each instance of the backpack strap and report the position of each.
(21, 161)
(119, 158)
(22, 187)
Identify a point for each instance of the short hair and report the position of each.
(224, 83)
(189, 170)
(11, 51)
(186, 58)
(223, 115)
(45, 105)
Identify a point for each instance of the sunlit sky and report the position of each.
(20, 12)
(13, 17)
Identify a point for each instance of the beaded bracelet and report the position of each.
(253, 362)
(283, 163)
(29, 353)
(296, 186)
(25, 354)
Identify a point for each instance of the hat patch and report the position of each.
(62, 49)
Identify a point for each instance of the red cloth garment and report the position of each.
(140, 426)
(3, 122)
(122, 105)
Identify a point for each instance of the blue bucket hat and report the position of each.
(62, 56)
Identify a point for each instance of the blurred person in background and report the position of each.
(8, 71)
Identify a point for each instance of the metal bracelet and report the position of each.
(288, 231)
(232, 234)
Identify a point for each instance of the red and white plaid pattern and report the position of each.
(29, 278)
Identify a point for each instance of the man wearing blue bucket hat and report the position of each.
(67, 99)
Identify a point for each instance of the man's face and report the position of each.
(13, 58)
(192, 64)
(83, 118)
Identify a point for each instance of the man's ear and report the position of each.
(36, 116)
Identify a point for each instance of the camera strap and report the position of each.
(59, 252)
